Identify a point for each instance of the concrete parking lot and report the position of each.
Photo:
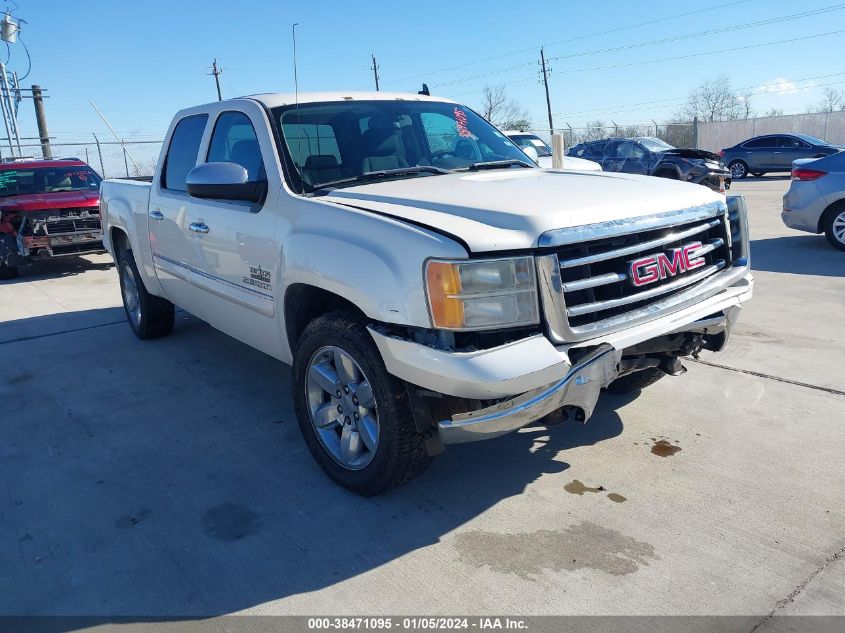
(169, 477)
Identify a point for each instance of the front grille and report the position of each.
(64, 221)
(587, 279)
(596, 276)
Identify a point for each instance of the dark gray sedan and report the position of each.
(773, 152)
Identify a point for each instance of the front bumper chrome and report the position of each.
(580, 388)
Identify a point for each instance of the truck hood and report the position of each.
(509, 209)
(57, 200)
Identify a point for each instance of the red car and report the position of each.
(48, 208)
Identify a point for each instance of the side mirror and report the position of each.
(224, 181)
(531, 152)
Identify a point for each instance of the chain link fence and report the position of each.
(717, 135)
(110, 159)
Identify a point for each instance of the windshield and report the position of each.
(28, 180)
(811, 139)
(654, 144)
(529, 140)
(341, 141)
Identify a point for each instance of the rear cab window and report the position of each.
(183, 151)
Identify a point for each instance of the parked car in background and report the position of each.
(544, 153)
(815, 200)
(48, 208)
(773, 152)
(653, 157)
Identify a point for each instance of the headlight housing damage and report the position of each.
(482, 294)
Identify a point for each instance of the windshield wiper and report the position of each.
(498, 164)
(369, 176)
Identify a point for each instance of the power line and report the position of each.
(677, 57)
(669, 99)
(571, 39)
(726, 29)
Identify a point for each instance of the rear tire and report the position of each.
(149, 316)
(759, 174)
(8, 272)
(668, 173)
(739, 169)
(365, 439)
(635, 381)
(834, 226)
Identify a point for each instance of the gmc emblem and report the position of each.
(646, 270)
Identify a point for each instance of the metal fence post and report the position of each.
(695, 132)
(100, 152)
(125, 162)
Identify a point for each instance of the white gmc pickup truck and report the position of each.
(427, 282)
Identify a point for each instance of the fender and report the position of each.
(374, 262)
(116, 212)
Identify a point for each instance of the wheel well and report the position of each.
(304, 303)
(738, 160)
(830, 210)
(119, 241)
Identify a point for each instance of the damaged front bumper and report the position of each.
(510, 386)
(53, 233)
(579, 388)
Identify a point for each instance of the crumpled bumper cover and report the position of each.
(579, 388)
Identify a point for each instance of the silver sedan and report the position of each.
(815, 200)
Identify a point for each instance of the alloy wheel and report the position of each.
(131, 296)
(838, 227)
(342, 408)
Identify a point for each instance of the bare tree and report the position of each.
(714, 100)
(744, 105)
(502, 111)
(774, 112)
(832, 101)
(594, 131)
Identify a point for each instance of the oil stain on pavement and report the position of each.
(575, 487)
(230, 521)
(662, 448)
(585, 545)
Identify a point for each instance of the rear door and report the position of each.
(170, 241)
(757, 153)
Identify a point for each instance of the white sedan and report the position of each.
(544, 153)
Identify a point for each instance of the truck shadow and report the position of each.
(804, 254)
(186, 489)
(60, 267)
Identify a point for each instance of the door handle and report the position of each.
(156, 215)
(198, 227)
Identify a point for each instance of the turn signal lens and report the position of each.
(474, 295)
(444, 286)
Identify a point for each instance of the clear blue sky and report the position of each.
(142, 61)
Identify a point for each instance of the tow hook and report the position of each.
(672, 365)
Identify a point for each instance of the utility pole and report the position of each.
(546, 84)
(217, 72)
(41, 121)
(375, 70)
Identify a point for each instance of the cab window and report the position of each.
(234, 141)
(182, 152)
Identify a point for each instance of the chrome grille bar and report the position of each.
(598, 306)
(610, 278)
(636, 248)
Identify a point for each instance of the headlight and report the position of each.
(474, 295)
(698, 162)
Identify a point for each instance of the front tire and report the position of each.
(739, 169)
(834, 227)
(149, 316)
(635, 381)
(354, 416)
